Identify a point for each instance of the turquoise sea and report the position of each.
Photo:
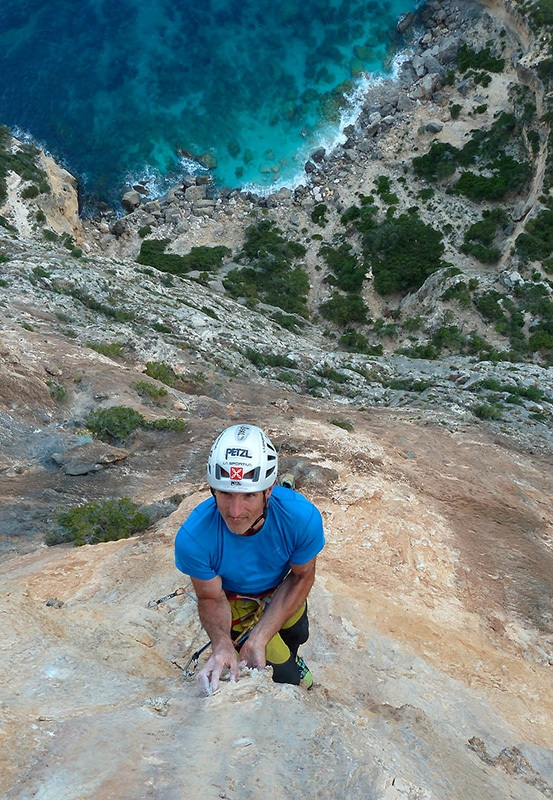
(120, 90)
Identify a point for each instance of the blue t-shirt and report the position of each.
(291, 534)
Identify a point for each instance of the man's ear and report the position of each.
(268, 492)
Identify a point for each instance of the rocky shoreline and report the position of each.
(432, 38)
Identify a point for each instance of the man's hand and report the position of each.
(209, 675)
(252, 653)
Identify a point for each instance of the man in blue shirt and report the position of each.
(250, 551)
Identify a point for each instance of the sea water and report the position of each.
(121, 91)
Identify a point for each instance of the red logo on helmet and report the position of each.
(236, 473)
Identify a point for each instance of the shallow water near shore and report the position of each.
(123, 91)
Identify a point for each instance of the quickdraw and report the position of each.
(187, 672)
(176, 593)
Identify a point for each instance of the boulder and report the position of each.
(432, 64)
(405, 22)
(194, 193)
(446, 49)
(131, 200)
(85, 458)
(434, 127)
(318, 155)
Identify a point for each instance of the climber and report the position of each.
(250, 551)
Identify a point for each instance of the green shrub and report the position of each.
(540, 341)
(30, 192)
(161, 371)
(458, 291)
(343, 309)
(509, 177)
(288, 321)
(330, 374)
(287, 377)
(204, 259)
(489, 304)
(440, 162)
(402, 252)
(174, 424)
(109, 349)
(354, 342)
(115, 423)
(57, 391)
(384, 191)
(150, 390)
(271, 276)
(318, 215)
(23, 161)
(487, 411)
(99, 521)
(3, 221)
(268, 359)
(536, 243)
(467, 58)
(94, 305)
(345, 266)
(161, 328)
(409, 385)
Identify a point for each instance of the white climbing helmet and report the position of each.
(242, 459)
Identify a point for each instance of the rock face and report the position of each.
(430, 640)
(59, 206)
(431, 618)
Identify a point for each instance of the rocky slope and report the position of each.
(432, 626)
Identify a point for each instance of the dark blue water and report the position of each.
(119, 90)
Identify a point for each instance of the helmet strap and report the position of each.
(251, 530)
(262, 516)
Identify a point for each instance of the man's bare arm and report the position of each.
(288, 598)
(216, 617)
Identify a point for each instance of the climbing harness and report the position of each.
(176, 593)
(249, 619)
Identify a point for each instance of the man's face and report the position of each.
(240, 510)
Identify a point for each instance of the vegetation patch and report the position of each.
(92, 304)
(99, 521)
(117, 423)
(347, 270)
(109, 349)
(536, 243)
(318, 215)
(268, 359)
(24, 162)
(344, 309)
(57, 391)
(479, 238)
(150, 390)
(161, 371)
(467, 58)
(402, 253)
(499, 172)
(272, 276)
(203, 259)
(488, 411)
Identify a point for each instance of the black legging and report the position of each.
(297, 634)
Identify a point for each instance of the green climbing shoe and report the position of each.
(306, 678)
